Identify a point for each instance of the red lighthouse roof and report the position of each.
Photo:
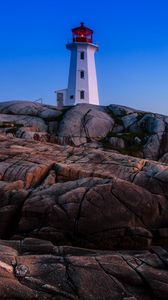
(82, 34)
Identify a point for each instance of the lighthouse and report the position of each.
(82, 81)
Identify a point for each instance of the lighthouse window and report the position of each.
(82, 94)
(82, 74)
(82, 55)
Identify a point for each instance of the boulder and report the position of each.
(130, 119)
(84, 123)
(152, 124)
(164, 144)
(30, 108)
(116, 142)
(151, 149)
(120, 110)
(118, 128)
(26, 121)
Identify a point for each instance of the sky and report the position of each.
(132, 63)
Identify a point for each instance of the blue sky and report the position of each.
(132, 64)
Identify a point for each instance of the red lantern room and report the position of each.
(82, 34)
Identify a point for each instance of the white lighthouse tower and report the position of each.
(82, 82)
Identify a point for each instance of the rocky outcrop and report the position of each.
(49, 193)
(124, 129)
(83, 203)
(36, 269)
(29, 108)
(87, 213)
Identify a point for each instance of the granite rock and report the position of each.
(36, 269)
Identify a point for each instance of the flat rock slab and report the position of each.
(75, 273)
(96, 213)
(81, 196)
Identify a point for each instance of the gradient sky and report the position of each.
(132, 64)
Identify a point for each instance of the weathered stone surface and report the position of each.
(88, 212)
(152, 147)
(164, 144)
(152, 124)
(36, 269)
(130, 119)
(10, 207)
(116, 142)
(85, 197)
(120, 110)
(29, 134)
(50, 179)
(30, 172)
(27, 121)
(52, 127)
(29, 108)
(164, 158)
(69, 203)
(118, 128)
(84, 123)
(69, 163)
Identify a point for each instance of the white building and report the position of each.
(82, 82)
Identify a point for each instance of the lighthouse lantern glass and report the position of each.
(82, 34)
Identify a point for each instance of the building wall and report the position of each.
(64, 94)
(81, 84)
(89, 83)
(72, 76)
(92, 76)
